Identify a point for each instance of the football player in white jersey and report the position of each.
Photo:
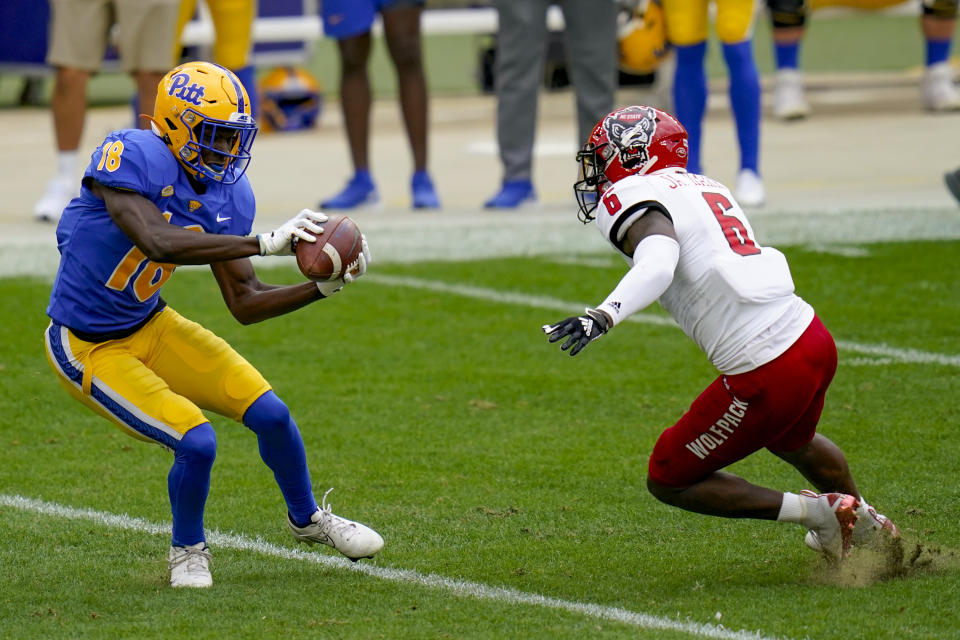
(690, 247)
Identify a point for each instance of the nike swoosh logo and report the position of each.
(219, 219)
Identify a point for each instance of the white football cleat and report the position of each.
(60, 191)
(788, 100)
(352, 539)
(938, 90)
(190, 566)
(750, 191)
(833, 536)
(871, 527)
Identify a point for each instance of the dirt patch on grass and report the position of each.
(895, 559)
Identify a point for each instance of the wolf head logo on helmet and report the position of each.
(630, 132)
(291, 100)
(630, 141)
(203, 114)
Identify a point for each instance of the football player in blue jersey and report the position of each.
(151, 200)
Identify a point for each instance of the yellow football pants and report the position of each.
(156, 383)
(688, 21)
(233, 29)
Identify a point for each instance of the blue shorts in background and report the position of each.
(347, 18)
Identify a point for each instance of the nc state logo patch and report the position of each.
(630, 131)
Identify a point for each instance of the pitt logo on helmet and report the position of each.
(179, 88)
(202, 113)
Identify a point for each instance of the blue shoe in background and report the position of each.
(424, 195)
(359, 192)
(513, 194)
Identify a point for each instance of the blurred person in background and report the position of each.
(937, 22)
(79, 35)
(953, 183)
(687, 29)
(590, 38)
(349, 22)
(233, 36)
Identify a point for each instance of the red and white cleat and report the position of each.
(833, 537)
(871, 528)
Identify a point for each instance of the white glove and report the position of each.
(359, 265)
(280, 242)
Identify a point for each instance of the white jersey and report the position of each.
(731, 295)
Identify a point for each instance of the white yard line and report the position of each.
(885, 354)
(405, 576)
(844, 251)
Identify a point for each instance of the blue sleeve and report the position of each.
(133, 160)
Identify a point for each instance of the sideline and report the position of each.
(404, 576)
(30, 249)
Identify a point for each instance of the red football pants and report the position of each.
(776, 406)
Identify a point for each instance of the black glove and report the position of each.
(580, 330)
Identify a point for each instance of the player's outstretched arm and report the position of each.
(251, 300)
(162, 242)
(652, 243)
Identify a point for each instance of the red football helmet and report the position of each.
(630, 141)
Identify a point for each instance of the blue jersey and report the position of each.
(104, 283)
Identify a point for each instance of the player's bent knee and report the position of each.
(662, 492)
(267, 413)
(198, 445)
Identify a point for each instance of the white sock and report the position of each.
(796, 508)
(67, 164)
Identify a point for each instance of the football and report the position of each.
(335, 250)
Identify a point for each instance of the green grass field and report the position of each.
(497, 469)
